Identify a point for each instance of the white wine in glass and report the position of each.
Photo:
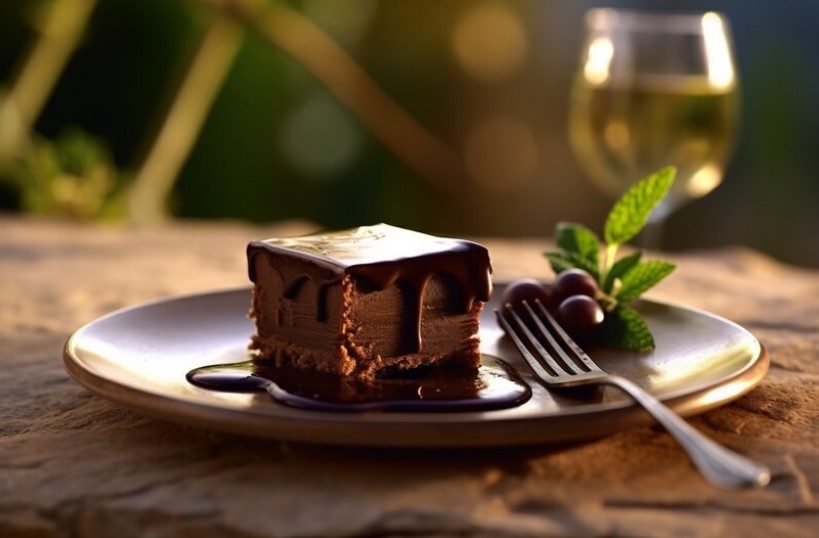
(654, 90)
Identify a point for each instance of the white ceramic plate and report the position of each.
(138, 357)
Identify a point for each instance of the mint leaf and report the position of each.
(620, 268)
(578, 239)
(563, 260)
(625, 329)
(631, 211)
(641, 277)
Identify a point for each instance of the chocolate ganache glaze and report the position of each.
(382, 256)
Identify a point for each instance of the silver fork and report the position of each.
(573, 367)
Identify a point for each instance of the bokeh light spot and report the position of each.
(598, 63)
(717, 52)
(617, 135)
(490, 42)
(704, 181)
(320, 138)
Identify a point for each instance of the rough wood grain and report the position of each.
(74, 465)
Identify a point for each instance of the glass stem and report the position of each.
(651, 238)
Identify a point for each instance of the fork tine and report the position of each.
(536, 362)
(570, 343)
(568, 361)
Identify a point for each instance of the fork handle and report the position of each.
(719, 465)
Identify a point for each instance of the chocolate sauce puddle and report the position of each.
(494, 385)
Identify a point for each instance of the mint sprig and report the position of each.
(620, 280)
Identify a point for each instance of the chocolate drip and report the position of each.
(417, 272)
(294, 287)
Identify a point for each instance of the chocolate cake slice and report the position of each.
(367, 300)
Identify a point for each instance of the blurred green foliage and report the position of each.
(72, 176)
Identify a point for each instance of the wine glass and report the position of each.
(654, 90)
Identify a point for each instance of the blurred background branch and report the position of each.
(154, 180)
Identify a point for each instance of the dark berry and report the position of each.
(575, 282)
(580, 315)
(526, 289)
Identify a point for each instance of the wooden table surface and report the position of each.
(75, 465)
